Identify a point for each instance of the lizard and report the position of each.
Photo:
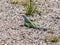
(30, 24)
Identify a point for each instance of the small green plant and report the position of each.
(30, 8)
(25, 2)
(55, 39)
(14, 1)
(52, 39)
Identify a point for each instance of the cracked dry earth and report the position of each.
(12, 31)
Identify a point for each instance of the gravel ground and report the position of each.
(12, 31)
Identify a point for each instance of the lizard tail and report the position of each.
(41, 28)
